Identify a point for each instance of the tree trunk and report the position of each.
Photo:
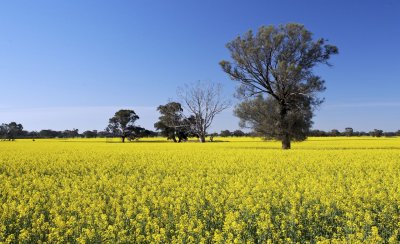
(284, 129)
(123, 139)
(286, 141)
(202, 138)
(174, 139)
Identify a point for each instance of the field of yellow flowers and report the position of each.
(238, 190)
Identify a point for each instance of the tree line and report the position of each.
(350, 132)
(13, 130)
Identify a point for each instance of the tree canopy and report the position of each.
(172, 122)
(263, 116)
(122, 124)
(10, 131)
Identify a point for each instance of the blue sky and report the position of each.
(72, 64)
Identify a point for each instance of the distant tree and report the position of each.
(104, 133)
(317, 133)
(225, 133)
(389, 134)
(348, 131)
(33, 134)
(278, 62)
(172, 122)
(376, 133)
(204, 102)
(70, 133)
(24, 134)
(238, 133)
(149, 133)
(122, 124)
(49, 134)
(90, 134)
(335, 132)
(11, 131)
(398, 133)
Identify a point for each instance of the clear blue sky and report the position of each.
(72, 64)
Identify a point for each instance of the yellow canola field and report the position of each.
(234, 190)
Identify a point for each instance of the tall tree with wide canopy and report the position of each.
(277, 63)
(123, 124)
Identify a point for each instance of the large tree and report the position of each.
(204, 101)
(11, 131)
(172, 122)
(122, 124)
(277, 63)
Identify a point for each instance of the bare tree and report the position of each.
(204, 101)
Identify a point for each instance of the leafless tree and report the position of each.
(204, 101)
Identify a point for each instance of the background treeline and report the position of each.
(13, 130)
(350, 132)
(320, 133)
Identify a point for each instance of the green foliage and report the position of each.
(172, 123)
(278, 62)
(263, 116)
(122, 124)
(10, 131)
(225, 133)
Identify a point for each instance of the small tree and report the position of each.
(225, 133)
(238, 133)
(335, 132)
(376, 133)
(204, 102)
(122, 124)
(348, 131)
(90, 134)
(172, 123)
(70, 133)
(278, 62)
